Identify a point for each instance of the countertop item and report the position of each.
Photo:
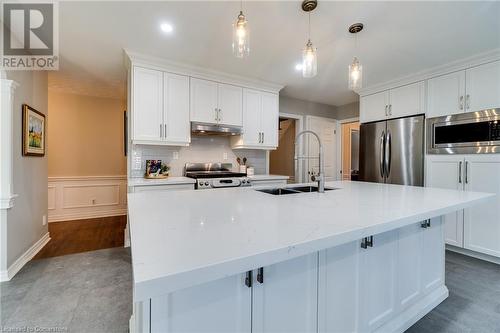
(184, 238)
(166, 181)
(268, 177)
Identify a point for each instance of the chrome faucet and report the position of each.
(320, 177)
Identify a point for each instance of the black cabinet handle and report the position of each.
(367, 242)
(260, 275)
(248, 279)
(370, 241)
(426, 224)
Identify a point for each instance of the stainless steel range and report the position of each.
(215, 175)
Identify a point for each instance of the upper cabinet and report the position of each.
(260, 121)
(216, 103)
(394, 103)
(469, 90)
(160, 108)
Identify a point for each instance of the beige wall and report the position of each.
(348, 111)
(85, 135)
(298, 106)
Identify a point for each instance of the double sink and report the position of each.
(293, 190)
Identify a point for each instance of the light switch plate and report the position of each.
(175, 155)
(224, 156)
(44, 220)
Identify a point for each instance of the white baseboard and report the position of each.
(8, 274)
(474, 254)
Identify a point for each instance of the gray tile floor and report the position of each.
(84, 292)
(91, 292)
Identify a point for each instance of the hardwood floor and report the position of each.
(84, 235)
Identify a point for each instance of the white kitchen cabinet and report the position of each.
(286, 301)
(373, 107)
(445, 171)
(260, 121)
(160, 108)
(215, 103)
(432, 271)
(147, 105)
(482, 222)
(483, 87)
(446, 94)
(377, 288)
(407, 100)
(222, 305)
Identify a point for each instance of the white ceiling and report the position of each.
(400, 38)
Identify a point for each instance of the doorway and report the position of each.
(281, 160)
(350, 151)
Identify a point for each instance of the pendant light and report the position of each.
(241, 35)
(309, 54)
(355, 69)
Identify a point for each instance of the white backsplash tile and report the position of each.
(202, 149)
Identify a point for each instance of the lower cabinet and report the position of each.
(361, 286)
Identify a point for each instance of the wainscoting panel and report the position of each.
(74, 198)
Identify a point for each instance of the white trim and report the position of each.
(142, 60)
(24, 258)
(474, 254)
(7, 203)
(454, 66)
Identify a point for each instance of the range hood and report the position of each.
(210, 129)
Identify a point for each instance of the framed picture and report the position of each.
(33, 132)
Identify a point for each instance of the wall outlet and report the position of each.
(224, 156)
(175, 155)
(44, 220)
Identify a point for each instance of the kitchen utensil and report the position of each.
(238, 160)
(244, 161)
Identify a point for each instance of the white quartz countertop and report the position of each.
(183, 238)
(167, 181)
(268, 177)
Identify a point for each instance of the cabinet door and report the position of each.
(269, 120)
(409, 264)
(432, 256)
(203, 101)
(373, 107)
(147, 103)
(176, 108)
(446, 94)
(482, 221)
(447, 172)
(219, 306)
(377, 281)
(230, 105)
(483, 86)
(252, 109)
(286, 301)
(407, 100)
(338, 303)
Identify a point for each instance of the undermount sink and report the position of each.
(293, 190)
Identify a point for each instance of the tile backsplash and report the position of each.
(201, 149)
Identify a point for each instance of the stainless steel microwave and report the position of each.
(465, 133)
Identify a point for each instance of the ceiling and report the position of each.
(400, 38)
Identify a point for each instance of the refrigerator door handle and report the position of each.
(382, 154)
(387, 152)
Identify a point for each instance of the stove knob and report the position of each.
(206, 183)
(200, 183)
(243, 181)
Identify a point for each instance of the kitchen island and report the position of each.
(362, 257)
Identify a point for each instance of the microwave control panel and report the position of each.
(495, 130)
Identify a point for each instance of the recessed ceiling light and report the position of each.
(298, 67)
(166, 27)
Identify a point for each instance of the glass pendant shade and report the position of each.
(355, 75)
(309, 61)
(241, 37)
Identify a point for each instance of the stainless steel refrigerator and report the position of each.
(392, 151)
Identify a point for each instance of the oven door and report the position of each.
(226, 182)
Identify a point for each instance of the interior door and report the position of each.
(326, 129)
(176, 108)
(230, 104)
(483, 86)
(286, 301)
(219, 306)
(204, 101)
(371, 152)
(445, 94)
(270, 120)
(405, 151)
(446, 171)
(147, 104)
(252, 109)
(482, 221)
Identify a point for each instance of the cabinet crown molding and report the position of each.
(461, 64)
(132, 58)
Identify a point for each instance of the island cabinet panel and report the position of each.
(219, 306)
(377, 285)
(286, 300)
(432, 271)
(338, 296)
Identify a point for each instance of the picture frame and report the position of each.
(33, 132)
